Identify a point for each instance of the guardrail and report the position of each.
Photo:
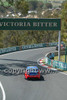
(9, 49)
(41, 45)
(25, 47)
(56, 64)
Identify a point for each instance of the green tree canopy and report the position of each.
(34, 5)
(22, 6)
(64, 16)
(64, 22)
(48, 5)
(18, 5)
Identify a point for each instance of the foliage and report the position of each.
(64, 15)
(48, 5)
(12, 38)
(34, 5)
(22, 6)
(18, 38)
(1, 43)
(17, 5)
(64, 22)
(62, 58)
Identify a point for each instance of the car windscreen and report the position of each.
(32, 70)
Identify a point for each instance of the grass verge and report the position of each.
(62, 58)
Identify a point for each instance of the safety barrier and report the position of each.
(41, 45)
(9, 49)
(25, 47)
(56, 64)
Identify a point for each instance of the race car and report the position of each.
(32, 72)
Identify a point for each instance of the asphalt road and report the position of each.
(50, 87)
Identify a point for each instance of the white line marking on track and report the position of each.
(3, 92)
(63, 73)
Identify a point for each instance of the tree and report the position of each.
(33, 5)
(64, 22)
(18, 5)
(64, 16)
(22, 6)
(48, 5)
(10, 1)
(40, 6)
(12, 38)
(1, 40)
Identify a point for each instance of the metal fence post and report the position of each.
(59, 44)
(66, 54)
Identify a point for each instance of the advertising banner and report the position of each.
(29, 24)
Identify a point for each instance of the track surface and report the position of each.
(50, 87)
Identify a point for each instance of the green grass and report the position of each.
(62, 58)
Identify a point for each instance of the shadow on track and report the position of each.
(35, 79)
(16, 67)
(19, 63)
